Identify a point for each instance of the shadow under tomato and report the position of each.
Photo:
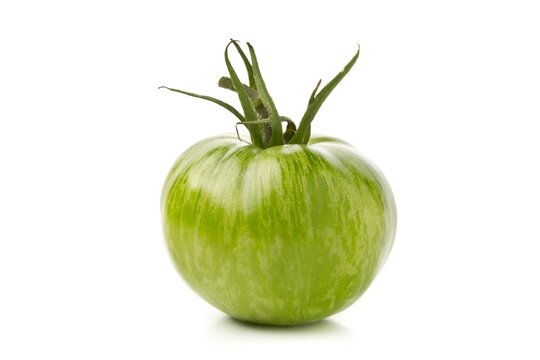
(326, 327)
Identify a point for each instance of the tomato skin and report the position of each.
(285, 235)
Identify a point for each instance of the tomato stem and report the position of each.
(261, 117)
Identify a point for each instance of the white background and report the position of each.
(444, 98)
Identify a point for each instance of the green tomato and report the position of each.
(285, 230)
(285, 235)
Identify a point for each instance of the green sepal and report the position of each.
(209, 98)
(304, 129)
(226, 83)
(312, 97)
(247, 64)
(290, 130)
(249, 111)
(277, 131)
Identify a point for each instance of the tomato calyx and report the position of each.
(260, 115)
